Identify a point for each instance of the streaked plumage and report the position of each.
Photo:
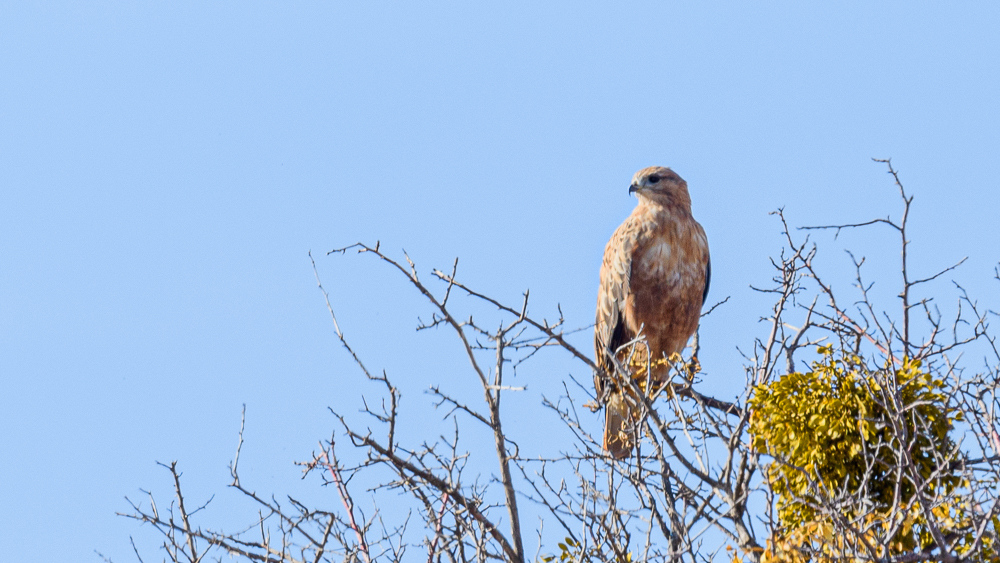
(654, 278)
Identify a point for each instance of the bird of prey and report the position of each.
(654, 279)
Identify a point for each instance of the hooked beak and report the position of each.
(633, 188)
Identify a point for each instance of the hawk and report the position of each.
(654, 279)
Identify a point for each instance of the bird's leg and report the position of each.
(693, 365)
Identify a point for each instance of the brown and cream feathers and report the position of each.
(654, 279)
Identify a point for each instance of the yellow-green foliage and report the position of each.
(570, 550)
(832, 430)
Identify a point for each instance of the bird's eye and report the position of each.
(654, 179)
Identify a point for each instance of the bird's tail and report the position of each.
(618, 422)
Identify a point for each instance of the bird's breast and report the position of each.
(672, 260)
(668, 282)
(659, 260)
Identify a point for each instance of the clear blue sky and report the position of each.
(166, 167)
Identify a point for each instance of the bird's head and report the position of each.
(658, 184)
